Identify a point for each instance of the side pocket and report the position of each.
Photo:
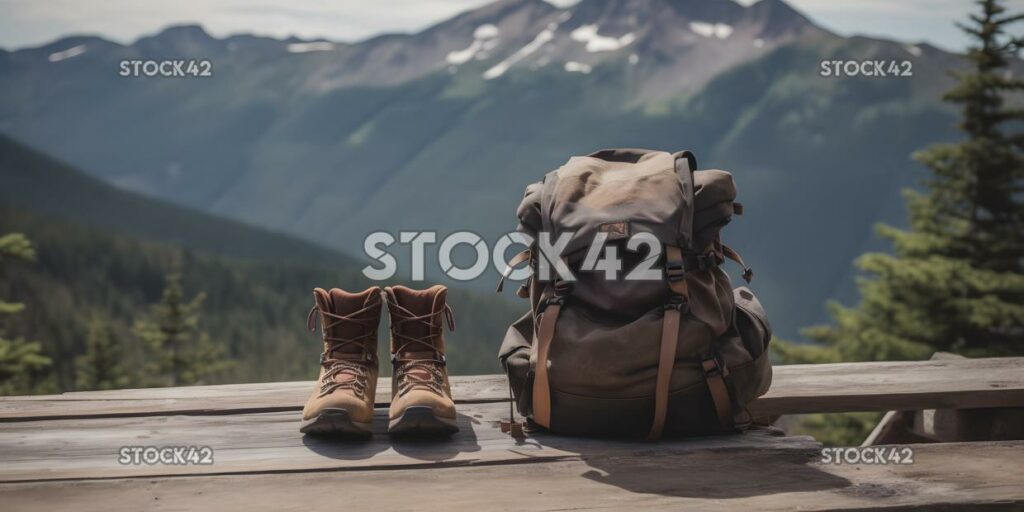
(752, 322)
(514, 356)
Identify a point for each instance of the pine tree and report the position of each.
(955, 280)
(180, 351)
(102, 364)
(20, 360)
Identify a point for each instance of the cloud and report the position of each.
(931, 21)
(34, 22)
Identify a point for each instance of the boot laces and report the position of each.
(430, 376)
(337, 366)
(430, 379)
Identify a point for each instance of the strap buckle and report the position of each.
(554, 300)
(748, 274)
(562, 290)
(712, 368)
(675, 271)
(678, 303)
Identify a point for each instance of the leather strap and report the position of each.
(666, 362)
(523, 292)
(541, 385)
(715, 376)
(713, 372)
(674, 255)
(516, 260)
(669, 337)
(748, 273)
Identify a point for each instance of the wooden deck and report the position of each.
(60, 452)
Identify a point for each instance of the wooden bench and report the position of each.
(60, 452)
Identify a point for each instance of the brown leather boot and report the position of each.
(342, 402)
(421, 398)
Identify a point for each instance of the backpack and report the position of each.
(681, 354)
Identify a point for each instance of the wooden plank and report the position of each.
(271, 443)
(219, 399)
(894, 385)
(796, 389)
(978, 476)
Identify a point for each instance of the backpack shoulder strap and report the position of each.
(550, 308)
(669, 336)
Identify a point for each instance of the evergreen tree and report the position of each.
(956, 279)
(102, 364)
(20, 360)
(181, 352)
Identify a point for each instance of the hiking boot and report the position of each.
(421, 398)
(342, 402)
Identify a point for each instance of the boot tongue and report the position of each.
(428, 302)
(340, 302)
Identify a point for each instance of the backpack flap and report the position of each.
(616, 195)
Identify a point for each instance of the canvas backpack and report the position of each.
(682, 354)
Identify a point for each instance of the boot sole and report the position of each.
(421, 421)
(335, 422)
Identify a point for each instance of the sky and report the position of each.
(25, 23)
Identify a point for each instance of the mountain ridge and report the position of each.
(193, 40)
(35, 182)
(442, 129)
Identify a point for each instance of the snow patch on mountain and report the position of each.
(464, 56)
(315, 46)
(577, 67)
(544, 37)
(596, 42)
(913, 50)
(74, 51)
(485, 31)
(719, 30)
(484, 38)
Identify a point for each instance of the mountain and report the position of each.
(103, 253)
(443, 128)
(32, 181)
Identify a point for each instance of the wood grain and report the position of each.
(220, 399)
(60, 452)
(796, 389)
(971, 477)
(271, 443)
(894, 385)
